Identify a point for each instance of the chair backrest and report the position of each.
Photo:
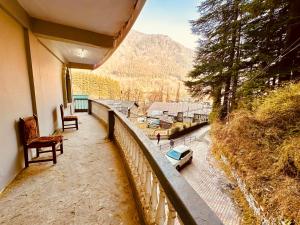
(61, 111)
(29, 128)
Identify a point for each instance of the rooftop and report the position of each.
(188, 108)
(120, 103)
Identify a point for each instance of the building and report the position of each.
(180, 111)
(40, 42)
(165, 123)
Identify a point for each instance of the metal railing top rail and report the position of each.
(183, 140)
(80, 104)
(190, 207)
(101, 103)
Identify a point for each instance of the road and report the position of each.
(194, 134)
(207, 180)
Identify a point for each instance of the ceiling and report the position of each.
(82, 32)
(72, 52)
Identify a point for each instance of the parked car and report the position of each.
(179, 156)
(141, 119)
(153, 123)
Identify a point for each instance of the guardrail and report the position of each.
(183, 140)
(81, 104)
(162, 194)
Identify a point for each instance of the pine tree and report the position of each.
(240, 50)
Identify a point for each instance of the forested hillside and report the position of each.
(149, 67)
(248, 61)
(246, 49)
(97, 87)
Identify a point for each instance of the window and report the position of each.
(174, 155)
(185, 154)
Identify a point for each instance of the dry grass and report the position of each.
(264, 147)
(248, 215)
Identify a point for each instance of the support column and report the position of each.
(89, 106)
(30, 70)
(111, 124)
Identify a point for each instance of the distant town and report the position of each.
(165, 118)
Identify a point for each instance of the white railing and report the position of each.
(162, 194)
(156, 206)
(99, 111)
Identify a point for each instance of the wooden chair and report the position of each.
(31, 139)
(67, 119)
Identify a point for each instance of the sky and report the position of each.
(169, 17)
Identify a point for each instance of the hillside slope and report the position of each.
(149, 55)
(150, 62)
(263, 147)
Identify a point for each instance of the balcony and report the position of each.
(88, 185)
(110, 173)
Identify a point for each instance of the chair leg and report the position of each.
(26, 156)
(37, 152)
(54, 154)
(76, 124)
(63, 125)
(61, 148)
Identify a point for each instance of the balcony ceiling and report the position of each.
(75, 53)
(82, 32)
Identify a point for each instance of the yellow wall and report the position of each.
(15, 92)
(47, 73)
(15, 100)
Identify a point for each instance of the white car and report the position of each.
(179, 156)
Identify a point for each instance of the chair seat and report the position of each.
(45, 141)
(70, 118)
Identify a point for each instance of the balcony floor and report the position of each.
(88, 185)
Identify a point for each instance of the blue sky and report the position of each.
(170, 17)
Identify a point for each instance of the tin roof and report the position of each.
(188, 108)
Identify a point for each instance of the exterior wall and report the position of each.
(180, 117)
(15, 97)
(48, 83)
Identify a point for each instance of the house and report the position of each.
(165, 122)
(128, 108)
(41, 42)
(180, 111)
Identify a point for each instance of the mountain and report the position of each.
(151, 63)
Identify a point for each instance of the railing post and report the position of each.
(111, 124)
(90, 106)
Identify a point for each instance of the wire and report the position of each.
(280, 57)
(291, 50)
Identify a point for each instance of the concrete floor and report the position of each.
(88, 185)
